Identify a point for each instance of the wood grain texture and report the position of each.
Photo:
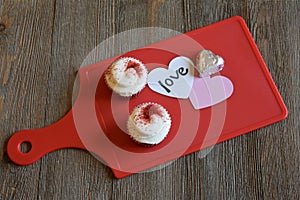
(42, 45)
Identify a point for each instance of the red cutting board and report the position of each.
(97, 120)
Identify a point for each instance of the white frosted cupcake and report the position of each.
(126, 76)
(149, 123)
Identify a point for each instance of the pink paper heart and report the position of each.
(209, 91)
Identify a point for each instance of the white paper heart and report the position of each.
(176, 81)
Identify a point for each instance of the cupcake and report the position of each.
(149, 123)
(126, 76)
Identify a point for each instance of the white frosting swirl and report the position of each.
(149, 123)
(126, 76)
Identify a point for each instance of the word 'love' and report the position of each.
(170, 81)
(176, 81)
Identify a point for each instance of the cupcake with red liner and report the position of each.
(149, 123)
(126, 76)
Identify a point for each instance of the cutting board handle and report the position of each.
(62, 134)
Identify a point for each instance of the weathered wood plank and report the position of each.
(25, 62)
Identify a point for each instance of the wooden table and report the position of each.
(43, 43)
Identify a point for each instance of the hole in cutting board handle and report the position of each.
(25, 147)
